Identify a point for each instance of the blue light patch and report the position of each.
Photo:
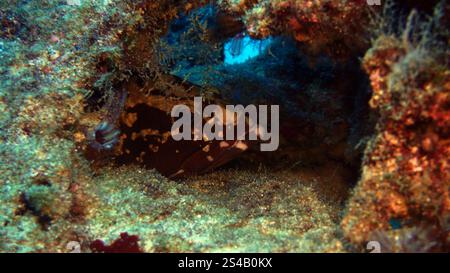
(240, 50)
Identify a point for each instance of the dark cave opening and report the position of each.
(324, 102)
(90, 156)
(324, 113)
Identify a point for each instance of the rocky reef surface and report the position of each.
(86, 89)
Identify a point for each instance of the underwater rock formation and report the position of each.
(226, 211)
(406, 165)
(51, 62)
(73, 76)
(336, 27)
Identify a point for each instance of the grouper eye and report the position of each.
(104, 136)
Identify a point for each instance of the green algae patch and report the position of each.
(229, 211)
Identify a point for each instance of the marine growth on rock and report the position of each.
(88, 156)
